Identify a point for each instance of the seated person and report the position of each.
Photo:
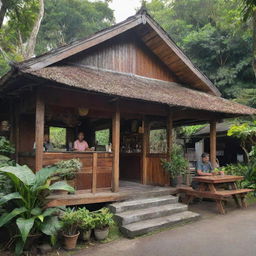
(47, 144)
(204, 167)
(80, 144)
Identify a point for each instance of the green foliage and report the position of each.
(71, 221)
(188, 131)
(212, 35)
(5, 146)
(67, 169)
(177, 165)
(58, 137)
(158, 141)
(103, 218)
(102, 137)
(245, 131)
(25, 206)
(247, 97)
(87, 220)
(70, 20)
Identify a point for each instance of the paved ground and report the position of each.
(232, 234)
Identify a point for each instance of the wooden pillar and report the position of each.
(145, 150)
(39, 135)
(94, 172)
(169, 134)
(213, 143)
(116, 149)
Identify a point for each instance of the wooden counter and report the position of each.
(96, 171)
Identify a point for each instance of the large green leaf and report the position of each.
(50, 211)
(44, 174)
(61, 185)
(25, 225)
(23, 173)
(8, 216)
(36, 211)
(19, 247)
(51, 226)
(9, 197)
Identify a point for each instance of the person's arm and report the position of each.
(75, 146)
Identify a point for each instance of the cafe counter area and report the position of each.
(96, 171)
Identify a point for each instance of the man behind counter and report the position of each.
(80, 144)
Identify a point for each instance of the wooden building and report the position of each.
(130, 78)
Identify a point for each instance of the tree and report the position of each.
(68, 20)
(249, 12)
(212, 35)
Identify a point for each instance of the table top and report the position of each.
(218, 178)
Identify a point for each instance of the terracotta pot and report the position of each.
(60, 192)
(86, 235)
(101, 234)
(70, 241)
(71, 183)
(31, 241)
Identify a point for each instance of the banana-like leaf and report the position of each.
(44, 174)
(36, 211)
(8, 197)
(61, 185)
(50, 211)
(23, 173)
(25, 225)
(40, 217)
(51, 226)
(19, 247)
(8, 216)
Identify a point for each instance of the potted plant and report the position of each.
(66, 170)
(176, 166)
(87, 224)
(103, 219)
(70, 224)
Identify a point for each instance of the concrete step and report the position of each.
(146, 226)
(142, 203)
(132, 216)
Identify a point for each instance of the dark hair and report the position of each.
(204, 155)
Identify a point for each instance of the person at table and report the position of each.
(47, 144)
(80, 144)
(204, 167)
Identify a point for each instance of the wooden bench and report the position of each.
(218, 196)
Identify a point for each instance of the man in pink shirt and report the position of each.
(80, 144)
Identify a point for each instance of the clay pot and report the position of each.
(101, 234)
(60, 192)
(86, 235)
(176, 181)
(70, 241)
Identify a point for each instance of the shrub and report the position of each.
(5, 146)
(71, 221)
(87, 220)
(103, 218)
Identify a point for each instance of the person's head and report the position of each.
(46, 137)
(205, 157)
(80, 136)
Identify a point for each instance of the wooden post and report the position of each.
(39, 136)
(145, 150)
(94, 172)
(116, 149)
(169, 134)
(213, 143)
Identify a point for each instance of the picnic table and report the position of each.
(219, 188)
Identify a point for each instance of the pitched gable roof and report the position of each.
(151, 34)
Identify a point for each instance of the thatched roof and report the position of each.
(140, 88)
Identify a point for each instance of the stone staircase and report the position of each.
(160, 210)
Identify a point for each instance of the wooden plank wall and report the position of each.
(84, 176)
(125, 53)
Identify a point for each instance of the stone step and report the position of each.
(142, 203)
(132, 216)
(146, 226)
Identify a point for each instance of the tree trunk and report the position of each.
(31, 44)
(3, 9)
(254, 41)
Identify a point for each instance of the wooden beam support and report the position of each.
(169, 133)
(39, 135)
(213, 143)
(116, 149)
(94, 172)
(145, 150)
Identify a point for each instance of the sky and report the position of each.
(124, 8)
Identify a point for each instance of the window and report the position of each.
(102, 137)
(158, 141)
(58, 137)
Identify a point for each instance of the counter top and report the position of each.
(32, 154)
